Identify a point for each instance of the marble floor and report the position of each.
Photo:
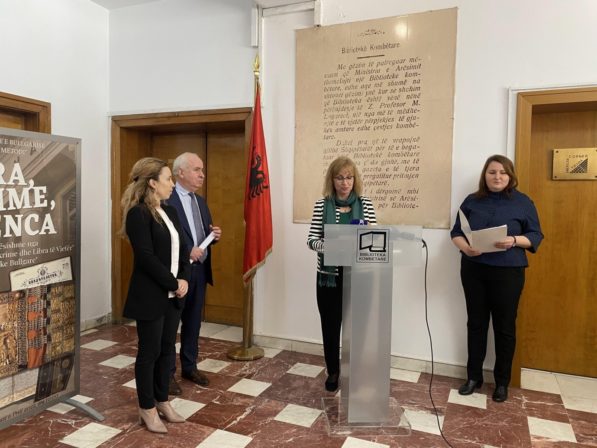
(276, 402)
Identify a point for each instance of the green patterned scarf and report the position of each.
(328, 277)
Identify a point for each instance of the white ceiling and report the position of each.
(273, 3)
(115, 4)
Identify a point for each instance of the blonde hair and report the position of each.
(334, 169)
(138, 191)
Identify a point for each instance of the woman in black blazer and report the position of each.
(157, 287)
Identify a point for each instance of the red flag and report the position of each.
(258, 207)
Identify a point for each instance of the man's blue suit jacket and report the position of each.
(174, 201)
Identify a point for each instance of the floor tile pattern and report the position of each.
(275, 401)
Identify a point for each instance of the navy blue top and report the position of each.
(497, 209)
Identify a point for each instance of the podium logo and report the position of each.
(373, 246)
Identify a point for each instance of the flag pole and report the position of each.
(247, 351)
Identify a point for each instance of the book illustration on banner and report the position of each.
(53, 271)
(9, 332)
(483, 240)
(37, 327)
(20, 386)
(54, 376)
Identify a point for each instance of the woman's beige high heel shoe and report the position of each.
(151, 419)
(166, 410)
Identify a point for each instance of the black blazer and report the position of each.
(151, 279)
(174, 201)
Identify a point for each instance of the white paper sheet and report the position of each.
(483, 240)
(207, 241)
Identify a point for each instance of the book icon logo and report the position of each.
(373, 246)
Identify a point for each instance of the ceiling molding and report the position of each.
(117, 4)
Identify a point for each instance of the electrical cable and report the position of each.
(439, 426)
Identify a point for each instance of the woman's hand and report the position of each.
(183, 288)
(462, 244)
(469, 251)
(507, 243)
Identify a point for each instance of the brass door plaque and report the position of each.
(574, 164)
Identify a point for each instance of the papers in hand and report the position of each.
(483, 240)
(207, 241)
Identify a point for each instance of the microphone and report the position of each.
(359, 222)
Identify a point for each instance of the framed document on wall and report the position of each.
(382, 93)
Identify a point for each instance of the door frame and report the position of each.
(527, 102)
(37, 114)
(204, 121)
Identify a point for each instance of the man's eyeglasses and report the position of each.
(342, 179)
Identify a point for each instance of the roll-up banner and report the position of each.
(39, 272)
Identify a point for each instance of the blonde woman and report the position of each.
(157, 287)
(342, 203)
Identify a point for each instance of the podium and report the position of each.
(368, 255)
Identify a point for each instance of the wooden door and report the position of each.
(27, 114)
(165, 135)
(135, 144)
(226, 167)
(558, 311)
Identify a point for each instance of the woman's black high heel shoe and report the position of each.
(331, 384)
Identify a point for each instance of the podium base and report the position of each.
(338, 425)
(245, 353)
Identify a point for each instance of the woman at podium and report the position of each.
(342, 203)
(493, 278)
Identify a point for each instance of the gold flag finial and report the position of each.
(256, 74)
(256, 67)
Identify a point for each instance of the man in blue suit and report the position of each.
(196, 225)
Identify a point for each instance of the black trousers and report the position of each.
(491, 291)
(329, 303)
(155, 349)
(191, 321)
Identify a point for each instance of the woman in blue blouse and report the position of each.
(493, 281)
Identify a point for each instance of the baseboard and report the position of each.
(96, 322)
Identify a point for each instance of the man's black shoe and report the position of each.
(500, 394)
(173, 387)
(196, 377)
(469, 387)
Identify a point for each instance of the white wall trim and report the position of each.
(288, 9)
(179, 109)
(512, 109)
